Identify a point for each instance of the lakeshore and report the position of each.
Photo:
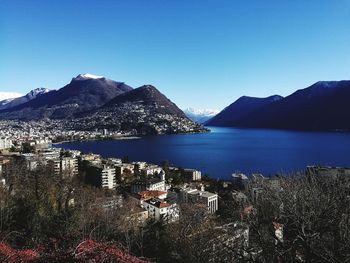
(105, 139)
(226, 150)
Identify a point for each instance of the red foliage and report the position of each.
(87, 251)
(92, 251)
(10, 255)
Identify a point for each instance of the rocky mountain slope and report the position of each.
(141, 111)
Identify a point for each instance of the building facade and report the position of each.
(193, 175)
(153, 184)
(160, 210)
(65, 167)
(101, 176)
(108, 179)
(192, 195)
(5, 143)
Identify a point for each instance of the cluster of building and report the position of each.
(156, 197)
(43, 133)
(148, 186)
(138, 118)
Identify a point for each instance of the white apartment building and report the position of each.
(204, 197)
(159, 210)
(108, 178)
(66, 166)
(114, 161)
(5, 143)
(2, 181)
(151, 170)
(193, 175)
(102, 176)
(153, 184)
(139, 165)
(50, 154)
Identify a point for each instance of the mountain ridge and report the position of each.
(321, 106)
(232, 114)
(144, 110)
(77, 96)
(91, 102)
(200, 115)
(10, 103)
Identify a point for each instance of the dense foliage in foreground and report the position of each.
(47, 218)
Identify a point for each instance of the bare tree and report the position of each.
(302, 218)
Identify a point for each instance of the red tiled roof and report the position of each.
(150, 194)
(163, 205)
(157, 203)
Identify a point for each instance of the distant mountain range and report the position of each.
(94, 102)
(85, 92)
(200, 115)
(322, 106)
(10, 103)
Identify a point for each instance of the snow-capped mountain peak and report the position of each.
(200, 115)
(202, 112)
(9, 103)
(87, 76)
(38, 91)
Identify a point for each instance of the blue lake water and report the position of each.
(226, 150)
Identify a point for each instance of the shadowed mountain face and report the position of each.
(83, 93)
(235, 113)
(142, 111)
(322, 106)
(148, 96)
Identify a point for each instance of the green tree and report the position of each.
(27, 148)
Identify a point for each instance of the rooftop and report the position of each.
(202, 193)
(150, 194)
(157, 203)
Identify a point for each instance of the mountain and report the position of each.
(10, 103)
(238, 111)
(6, 101)
(322, 106)
(85, 92)
(147, 96)
(144, 110)
(200, 115)
(92, 102)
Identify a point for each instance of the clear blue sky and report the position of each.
(203, 54)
